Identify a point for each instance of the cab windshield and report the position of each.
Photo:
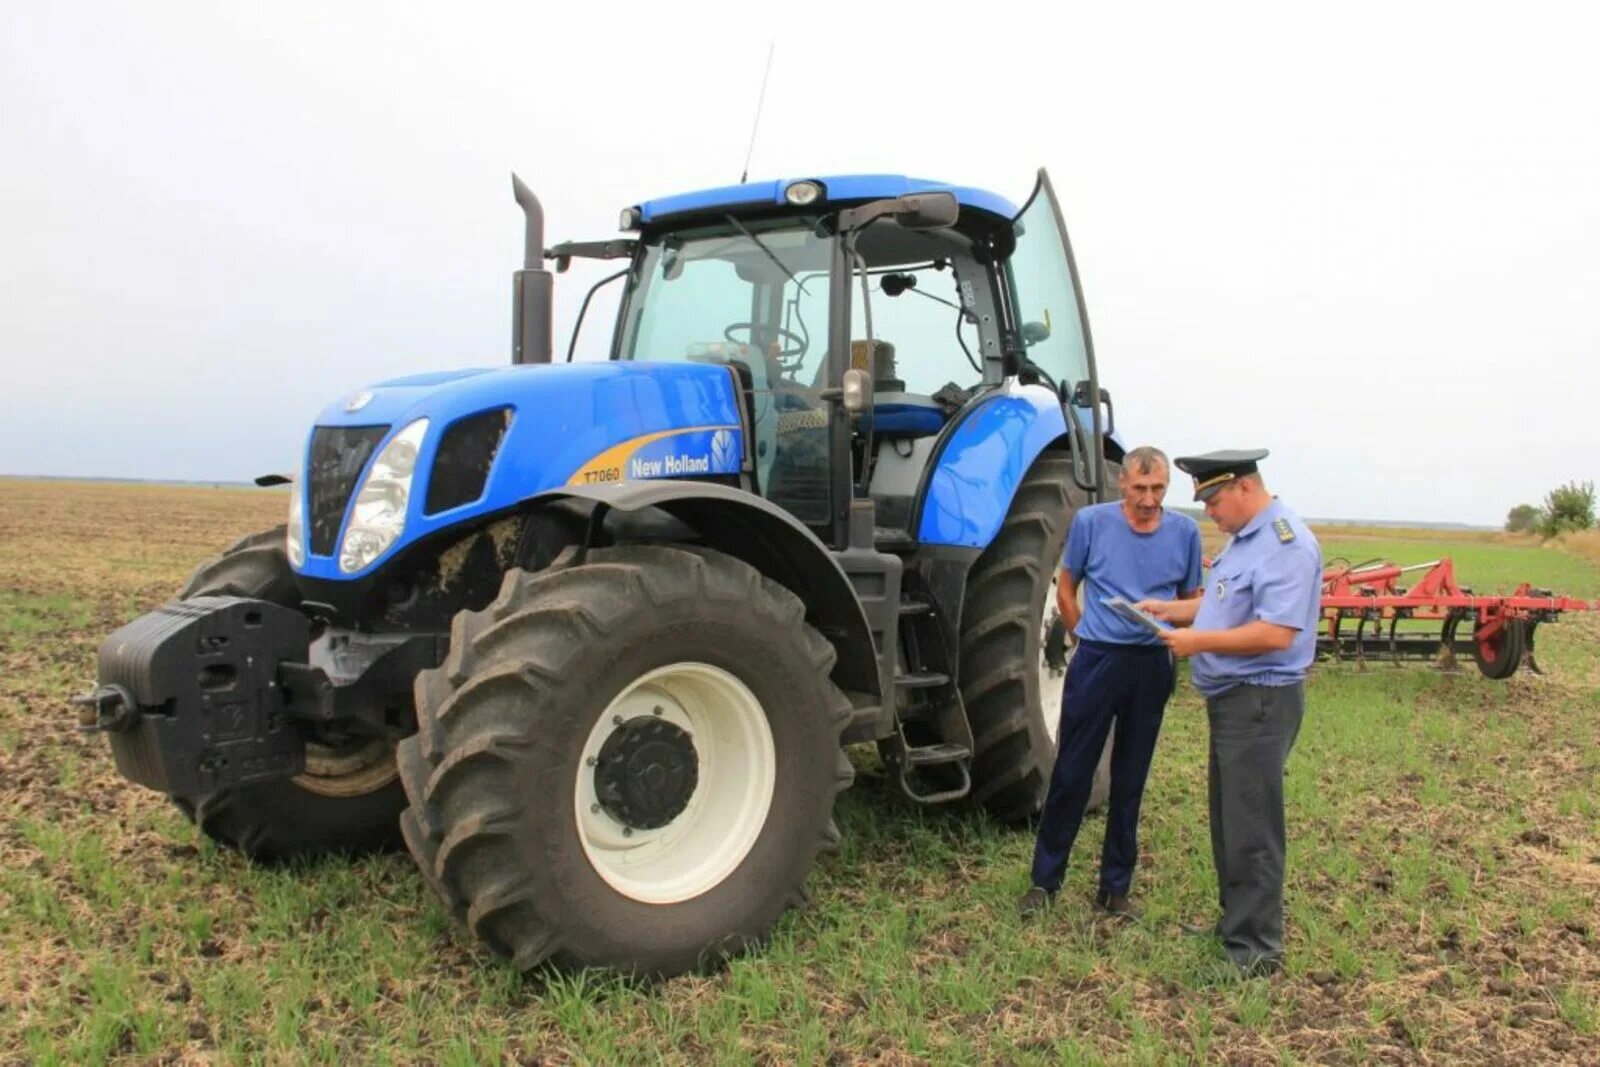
(752, 293)
(752, 296)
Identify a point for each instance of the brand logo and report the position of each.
(358, 401)
(666, 466)
(722, 455)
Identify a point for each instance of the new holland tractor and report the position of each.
(592, 637)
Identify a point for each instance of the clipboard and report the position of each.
(1139, 618)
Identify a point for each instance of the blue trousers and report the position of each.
(1123, 684)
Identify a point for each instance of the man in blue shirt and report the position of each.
(1121, 672)
(1251, 638)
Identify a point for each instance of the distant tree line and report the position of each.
(1566, 508)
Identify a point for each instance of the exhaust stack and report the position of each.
(532, 286)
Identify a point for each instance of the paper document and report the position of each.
(1134, 615)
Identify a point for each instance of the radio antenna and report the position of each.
(756, 125)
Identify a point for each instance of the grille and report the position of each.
(466, 453)
(338, 454)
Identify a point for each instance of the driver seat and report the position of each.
(895, 412)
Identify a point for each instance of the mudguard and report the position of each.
(969, 487)
(762, 534)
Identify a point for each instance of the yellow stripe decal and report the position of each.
(611, 465)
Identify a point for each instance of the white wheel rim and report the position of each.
(1051, 678)
(724, 815)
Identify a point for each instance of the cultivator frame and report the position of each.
(1502, 626)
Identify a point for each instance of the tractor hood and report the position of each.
(495, 437)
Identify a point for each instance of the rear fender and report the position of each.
(981, 461)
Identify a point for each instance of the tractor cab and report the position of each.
(862, 316)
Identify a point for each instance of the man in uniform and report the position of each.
(1252, 638)
(1132, 549)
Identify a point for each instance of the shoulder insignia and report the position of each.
(1285, 531)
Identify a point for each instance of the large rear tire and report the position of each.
(349, 799)
(1011, 690)
(629, 763)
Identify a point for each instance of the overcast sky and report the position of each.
(1366, 237)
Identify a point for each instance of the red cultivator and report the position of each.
(1499, 628)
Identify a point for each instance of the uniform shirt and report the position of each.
(1272, 571)
(1118, 560)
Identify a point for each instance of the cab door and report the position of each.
(1052, 324)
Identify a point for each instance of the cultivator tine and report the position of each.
(1447, 644)
(1533, 664)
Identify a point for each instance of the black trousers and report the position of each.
(1105, 683)
(1253, 729)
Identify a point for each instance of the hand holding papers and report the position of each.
(1134, 615)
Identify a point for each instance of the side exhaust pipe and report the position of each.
(532, 286)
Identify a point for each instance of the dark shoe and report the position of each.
(1115, 906)
(1033, 902)
(1200, 929)
(1260, 967)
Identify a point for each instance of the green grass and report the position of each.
(27, 618)
(1443, 888)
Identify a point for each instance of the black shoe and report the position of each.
(1260, 967)
(1116, 906)
(1033, 902)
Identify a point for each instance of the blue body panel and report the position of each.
(586, 421)
(838, 187)
(980, 467)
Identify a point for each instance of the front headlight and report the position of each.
(297, 527)
(379, 514)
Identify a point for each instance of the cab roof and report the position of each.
(836, 189)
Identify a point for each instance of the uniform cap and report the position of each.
(1213, 470)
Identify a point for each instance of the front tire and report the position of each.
(629, 763)
(349, 799)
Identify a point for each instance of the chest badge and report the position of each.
(1284, 531)
(1222, 590)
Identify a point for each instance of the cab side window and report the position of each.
(920, 328)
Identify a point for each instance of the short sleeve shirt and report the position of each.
(1271, 571)
(1109, 558)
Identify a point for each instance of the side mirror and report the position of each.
(857, 391)
(1034, 332)
(927, 211)
(914, 211)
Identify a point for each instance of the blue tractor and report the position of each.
(592, 637)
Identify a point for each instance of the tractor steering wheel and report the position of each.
(796, 342)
